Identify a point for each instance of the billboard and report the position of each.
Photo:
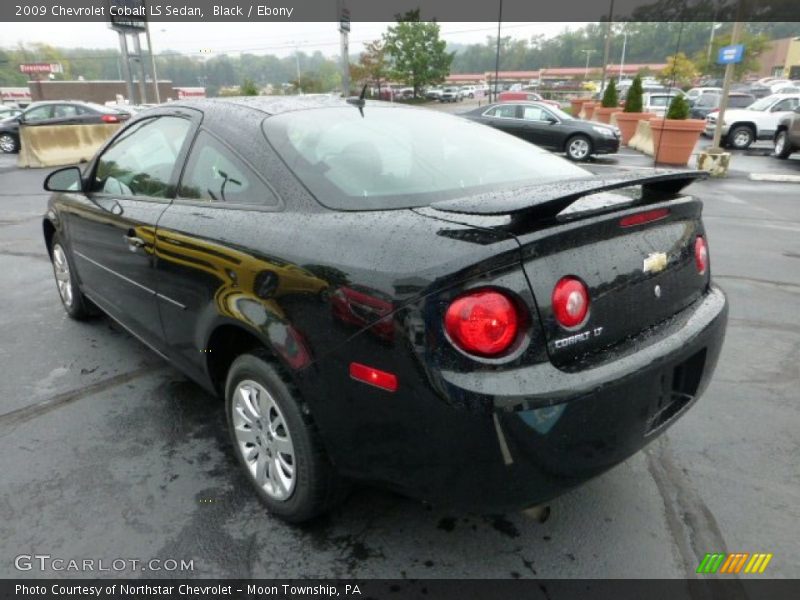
(127, 15)
(31, 68)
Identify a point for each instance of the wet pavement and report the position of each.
(108, 452)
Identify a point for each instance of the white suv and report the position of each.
(759, 121)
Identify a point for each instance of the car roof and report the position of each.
(272, 105)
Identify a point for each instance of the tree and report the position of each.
(248, 88)
(374, 63)
(678, 108)
(633, 102)
(418, 56)
(679, 70)
(610, 98)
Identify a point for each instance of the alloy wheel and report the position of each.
(742, 138)
(780, 143)
(63, 278)
(263, 439)
(578, 149)
(7, 143)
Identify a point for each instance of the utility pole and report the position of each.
(608, 45)
(622, 60)
(497, 54)
(126, 64)
(344, 46)
(586, 70)
(736, 35)
(137, 48)
(156, 93)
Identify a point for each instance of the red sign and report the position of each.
(191, 92)
(15, 93)
(41, 68)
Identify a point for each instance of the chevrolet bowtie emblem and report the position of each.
(655, 262)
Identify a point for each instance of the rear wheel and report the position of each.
(8, 143)
(740, 137)
(276, 443)
(76, 305)
(579, 147)
(783, 148)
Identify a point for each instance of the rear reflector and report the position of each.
(372, 376)
(570, 301)
(109, 119)
(700, 255)
(641, 218)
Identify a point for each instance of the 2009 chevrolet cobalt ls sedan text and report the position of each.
(394, 295)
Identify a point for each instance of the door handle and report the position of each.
(133, 241)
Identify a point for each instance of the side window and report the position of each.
(533, 113)
(786, 104)
(65, 111)
(504, 111)
(40, 113)
(142, 159)
(213, 173)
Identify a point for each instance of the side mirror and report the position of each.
(67, 179)
(551, 120)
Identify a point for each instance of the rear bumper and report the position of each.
(545, 430)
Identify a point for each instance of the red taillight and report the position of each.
(570, 301)
(700, 255)
(643, 217)
(109, 119)
(483, 322)
(372, 376)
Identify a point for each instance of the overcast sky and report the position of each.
(257, 38)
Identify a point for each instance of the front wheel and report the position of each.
(579, 147)
(8, 143)
(741, 137)
(783, 148)
(276, 443)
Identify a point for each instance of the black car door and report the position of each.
(112, 227)
(540, 126)
(505, 118)
(206, 271)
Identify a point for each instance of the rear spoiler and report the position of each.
(547, 200)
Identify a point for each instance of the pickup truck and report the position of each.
(787, 136)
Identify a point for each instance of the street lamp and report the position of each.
(624, 46)
(586, 70)
(296, 45)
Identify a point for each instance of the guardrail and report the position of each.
(56, 145)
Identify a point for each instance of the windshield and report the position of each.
(762, 103)
(398, 158)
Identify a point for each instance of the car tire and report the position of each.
(76, 305)
(9, 143)
(783, 147)
(276, 442)
(741, 137)
(578, 148)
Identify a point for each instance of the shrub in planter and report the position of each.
(610, 103)
(629, 118)
(675, 136)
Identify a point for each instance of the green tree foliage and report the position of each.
(680, 71)
(633, 101)
(374, 64)
(678, 108)
(610, 97)
(418, 56)
(248, 88)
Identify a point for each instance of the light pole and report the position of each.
(586, 70)
(622, 60)
(156, 93)
(296, 45)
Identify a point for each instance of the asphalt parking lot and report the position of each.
(108, 452)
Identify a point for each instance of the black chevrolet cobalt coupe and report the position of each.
(394, 295)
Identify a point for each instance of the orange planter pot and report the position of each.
(674, 139)
(627, 123)
(588, 110)
(577, 105)
(603, 114)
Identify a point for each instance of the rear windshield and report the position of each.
(399, 157)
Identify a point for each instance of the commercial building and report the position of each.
(781, 59)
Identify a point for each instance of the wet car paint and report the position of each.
(273, 272)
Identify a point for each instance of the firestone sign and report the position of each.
(30, 68)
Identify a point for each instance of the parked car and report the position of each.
(55, 113)
(525, 96)
(506, 331)
(451, 94)
(433, 93)
(759, 121)
(8, 112)
(787, 136)
(550, 128)
(709, 103)
(658, 102)
(696, 92)
(468, 91)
